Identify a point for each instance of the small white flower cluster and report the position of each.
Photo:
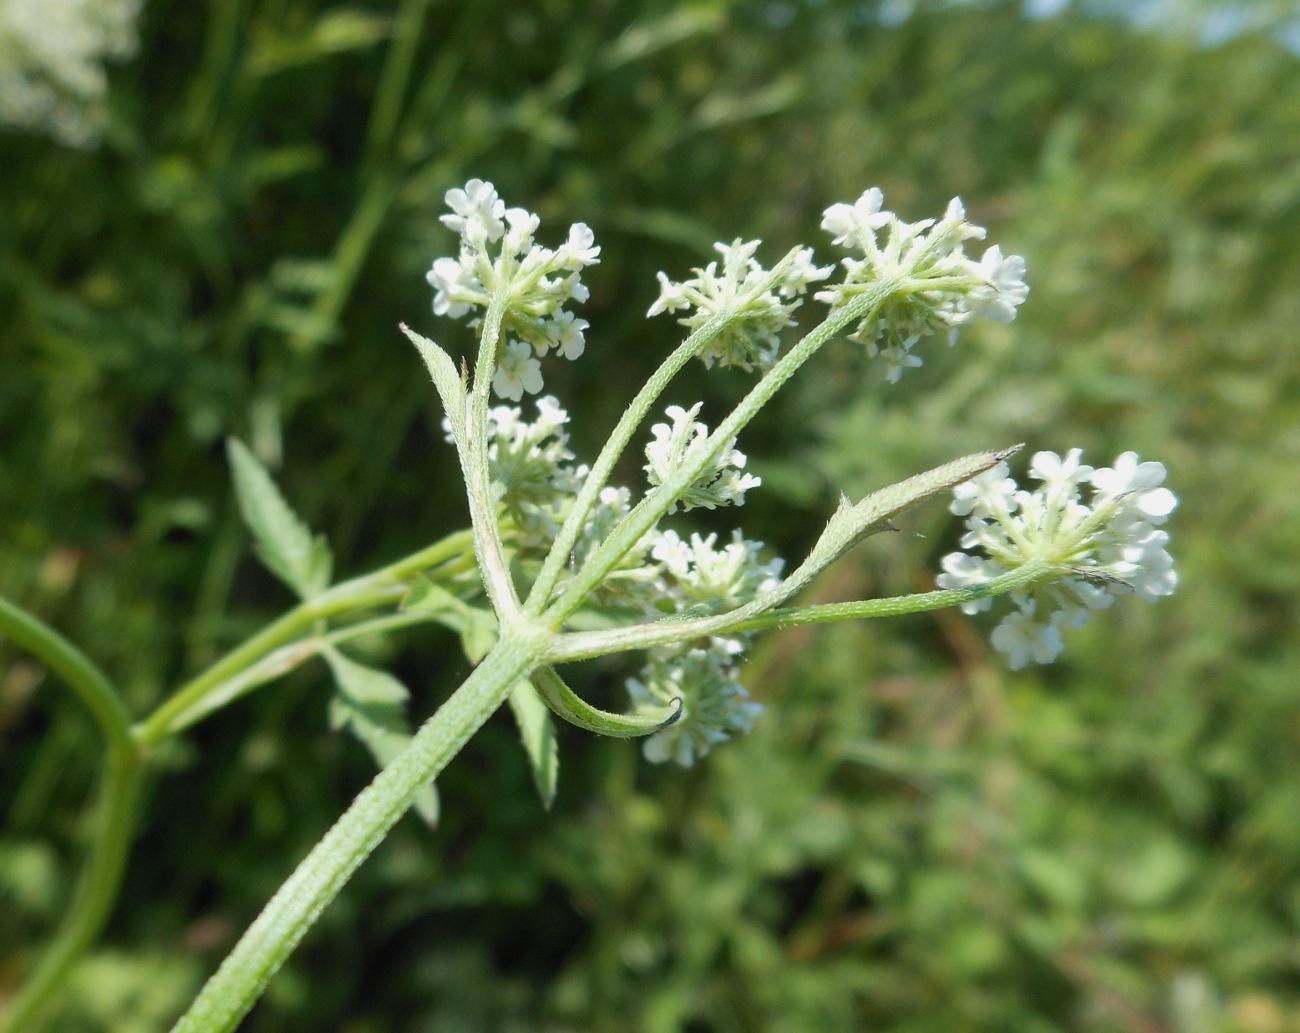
(676, 444)
(695, 578)
(714, 704)
(715, 580)
(752, 337)
(665, 576)
(1096, 552)
(938, 287)
(537, 282)
(51, 73)
(528, 466)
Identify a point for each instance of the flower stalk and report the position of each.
(559, 565)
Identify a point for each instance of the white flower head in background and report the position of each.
(714, 705)
(52, 77)
(937, 286)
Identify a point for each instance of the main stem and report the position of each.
(272, 937)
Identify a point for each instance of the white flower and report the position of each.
(757, 314)
(990, 493)
(1004, 288)
(477, 212)
(453, 286)
(953, 230)
(1093, 552)
(529, 464)
(535, 282)
(566, 334)
(679, 445)
(519, 237)
(1136, 488)
(938, 288)
(1023, 638)
(51, 74)
(802, 274)
(719, 579)
(855, 224)
(517, 372)
(714, 705)
(578, 251)
(961, 570)
(1056, 472)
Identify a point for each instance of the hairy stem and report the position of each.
(648, 512)
(587, 645)
(272, 937)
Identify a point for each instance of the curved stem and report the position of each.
(80, 672)
(101, 877)
(272, 937)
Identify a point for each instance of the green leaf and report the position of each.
(365, 686)
(850, 524)
(538, 735)
(447, 380)
(477, 628)
(283, 541)
(573, 708)
(335, 32)
(371, 704)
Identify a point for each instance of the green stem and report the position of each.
(488, 546)
(213, 687)
(101, 877)
(588, 645)
(649, 510)
(82, 675)
(610, 454)
(618, 441)
(263, 948)
(280, 662)
(204, 693)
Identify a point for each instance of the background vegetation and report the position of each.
(913, 838)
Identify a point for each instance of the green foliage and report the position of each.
(911, 839)
(371, 704)
(284, 543)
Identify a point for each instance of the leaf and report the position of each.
(563, 701)
(538, 735)
(284, 543)
(447, 380)
(477, 628)
(371, 703)
(366, 686)
(334, 32)
(850, 523)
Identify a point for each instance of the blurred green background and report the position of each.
(913, 839)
